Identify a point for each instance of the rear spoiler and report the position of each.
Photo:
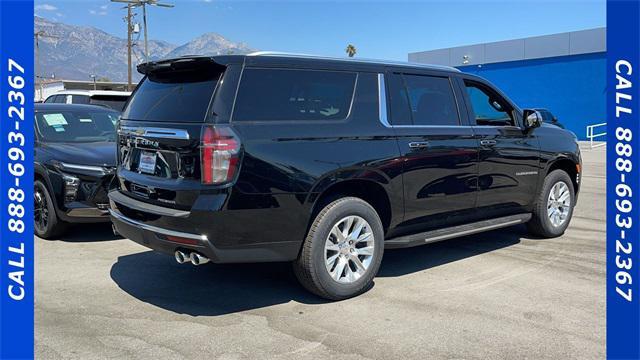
(178, 64)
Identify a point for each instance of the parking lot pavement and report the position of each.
(500, 294)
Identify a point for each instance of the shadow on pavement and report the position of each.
(217, 289)
(97, 232)
(212, 289)
(406, 261)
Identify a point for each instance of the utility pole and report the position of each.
(129, 30)
(144, 20)
(37, 35)
(143, 4)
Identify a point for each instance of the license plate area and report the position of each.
(147, 162)
(173, 159)
(160, 163)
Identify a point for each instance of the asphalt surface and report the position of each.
(500, 294)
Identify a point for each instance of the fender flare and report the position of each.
(40, 170)
(346, 174)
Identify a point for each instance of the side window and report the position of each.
(60, 99)
(432, 100)
(50, 99)
(282, 94)
(399, 107)
(80, 99)
(489, 108)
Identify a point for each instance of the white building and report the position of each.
(43, 90)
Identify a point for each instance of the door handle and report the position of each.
(487, 142)
(419, 144)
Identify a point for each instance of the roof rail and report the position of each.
(371, 61)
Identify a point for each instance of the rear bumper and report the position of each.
(158, 238)
(168, 241)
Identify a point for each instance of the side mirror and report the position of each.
(532, 119)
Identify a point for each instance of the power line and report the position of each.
(143, 4)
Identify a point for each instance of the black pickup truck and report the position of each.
(328, 162)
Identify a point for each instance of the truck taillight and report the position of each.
(219, 154)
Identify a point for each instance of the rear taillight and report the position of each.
(219, 154)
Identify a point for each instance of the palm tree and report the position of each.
(351, 50)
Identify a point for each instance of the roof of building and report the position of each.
(538, 47)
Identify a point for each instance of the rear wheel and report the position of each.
(554, 206)
(45, 221)
(343, 250)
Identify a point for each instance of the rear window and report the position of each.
(81, 99)
(181, 96)
(281, 95)
(114, 102)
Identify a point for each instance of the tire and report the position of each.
(343, 278)
(542, 223)
(52, 226)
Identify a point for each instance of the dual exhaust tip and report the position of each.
(194, 257)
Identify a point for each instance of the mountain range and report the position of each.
(76, 52)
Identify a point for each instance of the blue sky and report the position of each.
(378, 29)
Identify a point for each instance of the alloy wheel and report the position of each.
(349, 249)
(40, 211)
(559, 204)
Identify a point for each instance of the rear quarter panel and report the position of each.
(286, 164)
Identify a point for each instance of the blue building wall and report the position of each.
(572, 87)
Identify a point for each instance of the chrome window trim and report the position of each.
(513, 127)
(459, 126)
(383, 115)
(382, 111)
(432, 126)
(154, 132)
(382, 102)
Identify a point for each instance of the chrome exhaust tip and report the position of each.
(197, 259)
(181, 257)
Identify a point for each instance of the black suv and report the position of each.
(327, 162)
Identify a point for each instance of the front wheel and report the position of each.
(554, 206)
(46, 224)
(343, 250)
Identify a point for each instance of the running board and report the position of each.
(455, 231)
